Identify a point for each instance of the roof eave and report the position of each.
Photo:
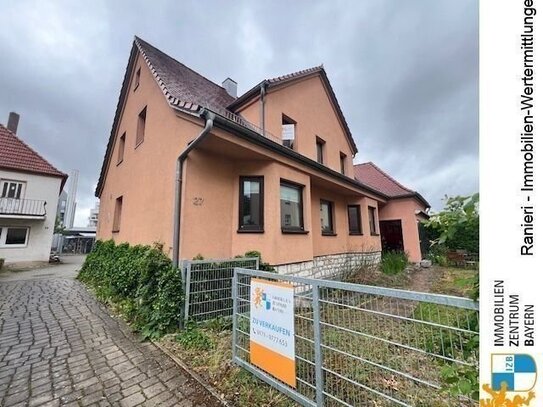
(415, 195)
(253, 136)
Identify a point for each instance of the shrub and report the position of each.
(393, 262)
(262, 265)
(140, 281)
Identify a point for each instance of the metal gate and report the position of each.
(359, 345)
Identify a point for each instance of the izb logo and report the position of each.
(517, 371)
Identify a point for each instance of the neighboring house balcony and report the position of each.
(11, 208)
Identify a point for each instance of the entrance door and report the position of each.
(391, 235)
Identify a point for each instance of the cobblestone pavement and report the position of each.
(59, 346)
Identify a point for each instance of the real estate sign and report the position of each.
(272, 329)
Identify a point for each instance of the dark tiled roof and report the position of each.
(281, 80)
(182, 86)
(371, 175)
(188, 90)
(16, 155)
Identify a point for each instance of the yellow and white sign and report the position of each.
(272, 329)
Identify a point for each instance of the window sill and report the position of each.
(116, 231)
(375, 234)
(294, 232)
(329, 234)
(356, 234)
(250, 231)
(119, 163)
(139, 144)
(136, 87)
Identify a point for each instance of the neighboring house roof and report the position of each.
(284, 79)
(16, 155)
(371, 175)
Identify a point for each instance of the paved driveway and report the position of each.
(59, 346)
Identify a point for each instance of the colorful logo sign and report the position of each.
(517, 371)
(272, 329)
(260, 299)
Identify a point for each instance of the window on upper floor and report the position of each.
(373, 220)
(120, 153)
(320, 150)
(289, 131)
(355, 221)
(292, 208)
(327, 217)
(140, 134)
(137, 79)
(12, 189)
(342, 162)
(251, 204)
(117, 215)
(13, 237)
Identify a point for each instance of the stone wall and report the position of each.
(330, 266)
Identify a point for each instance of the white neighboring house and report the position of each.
(29, 191)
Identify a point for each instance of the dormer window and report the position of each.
(289, 132)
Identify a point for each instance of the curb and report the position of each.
(193, 374)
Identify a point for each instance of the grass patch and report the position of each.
(207, 349)
(454, 281)
(393, 262)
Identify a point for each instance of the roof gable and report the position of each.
(16, 155)
(286, 80)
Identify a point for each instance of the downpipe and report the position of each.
(210, 117)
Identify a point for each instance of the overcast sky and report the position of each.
(405, 73)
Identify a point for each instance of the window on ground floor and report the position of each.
(373, 220)
(292, 209)
(13, 236)
(327, 217)
(251, 204)
(117, 214)
(355, 221)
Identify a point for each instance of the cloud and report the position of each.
(405, 73)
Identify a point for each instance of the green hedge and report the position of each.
(139, 281)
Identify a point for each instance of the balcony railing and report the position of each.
(22, 207)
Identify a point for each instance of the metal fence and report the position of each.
(208, 287)
(359, 345)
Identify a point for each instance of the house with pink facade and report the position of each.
(192, 165)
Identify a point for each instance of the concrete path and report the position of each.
(59, 346)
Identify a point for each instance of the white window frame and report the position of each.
(4, 181)
(4, 235)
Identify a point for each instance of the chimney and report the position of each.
(13, 122)
(231, 87)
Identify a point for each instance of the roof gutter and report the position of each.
(209, 117)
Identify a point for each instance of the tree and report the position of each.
(457, 225)
(59, 227)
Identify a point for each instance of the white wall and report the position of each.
(38, 246)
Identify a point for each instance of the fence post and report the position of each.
(257, 263)
(317, 338)
(187, 293)
(234, 313)
(182, 271)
